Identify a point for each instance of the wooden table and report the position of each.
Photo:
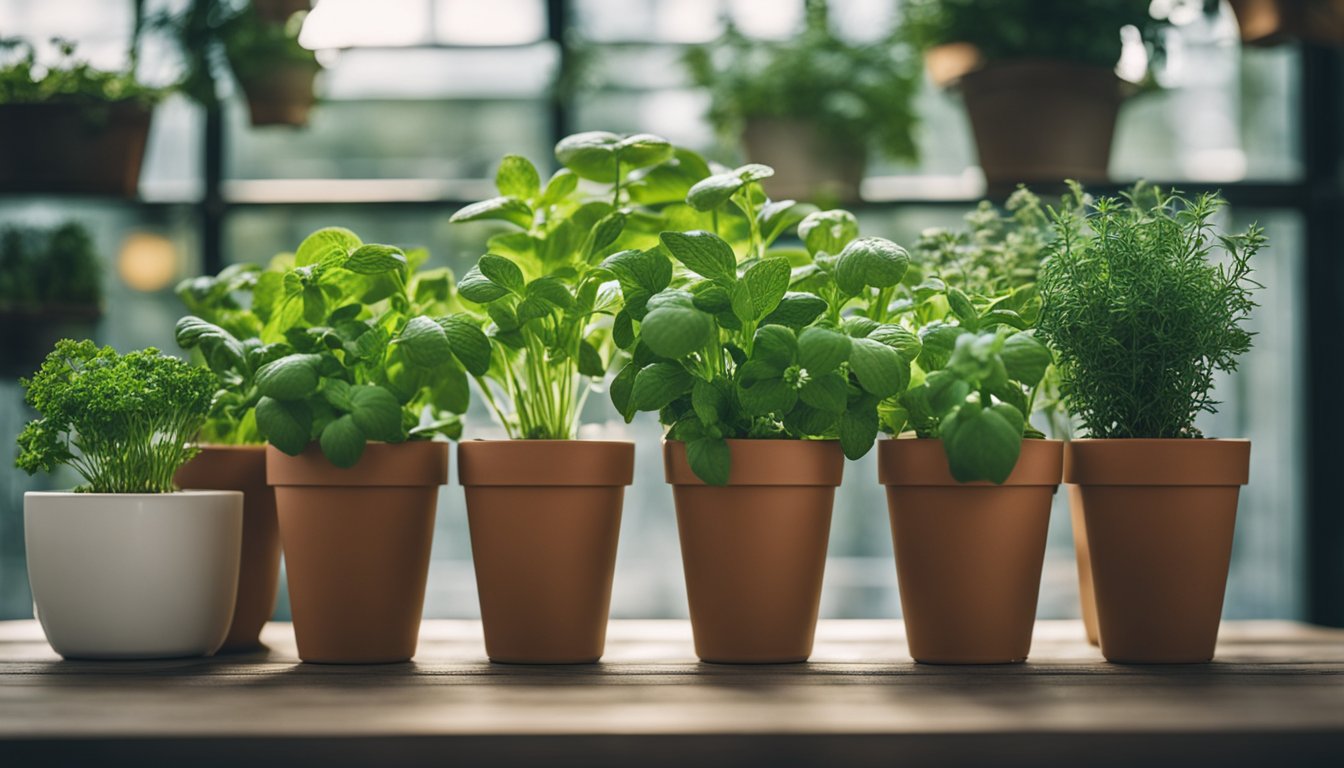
(1274, 697)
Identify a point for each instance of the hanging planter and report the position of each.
(283, 97)
(73, 148)
(545, 516)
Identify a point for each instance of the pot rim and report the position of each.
(409, 464)
(1182, 461)
(240, 447)
(562, 464)
(824, 467)
(172, 494)
(929, 466)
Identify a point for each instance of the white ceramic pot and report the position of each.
(134, 576)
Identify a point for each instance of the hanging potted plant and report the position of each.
(1143, 303)
(68, 128)
(758, 386)
(1038, 79)
(275, 73)
(812, 107)
(124, 567)
(544, 507)
(231, 453)
(354, 380)
(51, 287)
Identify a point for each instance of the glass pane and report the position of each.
(498, 22)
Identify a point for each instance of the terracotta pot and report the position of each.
(1087, 598)
(545, 516)
(947, 63)
(243, 468)
(754, 550)
(1159, 517)
(1041, 122)
(357, 547)
(968, 555)
(81, 148)
(285, 97)
(808, 166)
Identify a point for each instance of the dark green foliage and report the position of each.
(123, 422)
(44, 267)
(859, 95)
(68, 79)
(1143, 302)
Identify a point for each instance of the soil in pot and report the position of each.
(285, 97)
(133, 576)
(545, 516)
(1160, 516)
(357, 544)
(1041, 122)
(1087, 599)
(968, 555)
(73, 148)
(754, 551)
(807, 166)
(243, 468)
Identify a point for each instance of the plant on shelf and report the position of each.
(344, 354)
(811, 106)
(51, 287)
(1144, 301)
(123, 422)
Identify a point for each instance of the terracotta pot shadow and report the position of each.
(545, 516)
(1159, 516)
(357, 544)
(243, 468)
(754, 551)
(968, 555)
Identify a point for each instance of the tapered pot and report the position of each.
(133, 575)
(754, 551)
(968, 555)
(1087, 599)
(544, 517)
(77, 148)
(807, 165)
(243, 468)
(284, 97)
(1042, 121)
(1159, 516)
(356, 544)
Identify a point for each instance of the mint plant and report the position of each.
(123, 422)
(345, 344)
(539, 289)
(1143, 301)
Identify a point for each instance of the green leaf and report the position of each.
(828, 392)
(502, 272)
(821, 350)
(375, 259)
(371, 344)
(292, 377)
(711, 297)
(703, 253)
(591, 155)
(982, 443)
(711, 459)
(603, 235)
(1004, 317)
(518, 177)
(343, 442)
(425, 342)
(623, 330)
(768, 397)
(509, 209)
(550, 290)
(767, 281)
(1025, 359)
(469, 343)
(754, 172)
(673, 327)
(314, 304)
(963, 309)
(377, 413)
(658, 384)
(778, 216)
(648, 271)
(870, 261)
(945, 391)
(642, 150)
(828, 231)
(326, 245)
(590, 360)
(709, 402)
(858, 429)
(669, 181)
(622, 390)
(776, 345)
(880, 369)
(337, 394)
(475, 286)
(286, 425)
(938, 343)
(714, 191)
(797, 310)
(563, 183)
(898, 338)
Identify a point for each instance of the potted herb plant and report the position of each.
(763, 394)
(125, 567)
(51, 287)
(544, 507)
(356, 374)
(231, 453)
(69, 128)
(813, 106)
(1038, 78)
(1143, 302)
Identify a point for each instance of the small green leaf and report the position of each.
(562, 183)
(425, 342)
(502, 272)
(880, 369)
(768, 397)
(821, 350)
(870, 261)
(828, 231)
(475, 286)
(325, 245)
(658, 384)
(828, 392)
(375, 259)
(938, 342)
(468, 342)
(509, 209)
(623, 330)
(767, 281)
(711, 297)
(797, 310)
(286, 425)
(622, 390)
(343, 442)
(603, 235)
(776, 345)
(898, 338)
(858, 429)
(982, 443)
(590, 360)
(703, 253)
(711, 459)
(673, 327)
(754, 172)
(712, 192)
(708, 401)
(517, 177)
(963, 309)
(550, 290)
(1025, 359)
(292, 377)
(377, 413)
(337, 394)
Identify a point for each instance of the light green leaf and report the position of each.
(375, 259)
(425, 342)
(767, 281)
(776, 345)
(673, 327)
(563, 183)
(502, 272)
(468, 342)
(603, 235)
(475, 286)
(828, 231)
(870, 261)
(703, 253)
(963, 309)
(509, 209)
(642, 150)
(326, 245)
(518, 177)
(714, 191)
(754, 172)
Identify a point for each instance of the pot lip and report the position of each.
(497, 441)
(762, 441)
(825, 465)
(933, 471)
(238, 447)
(598, 463)
(136, 496)
(1152, 462)
(408, 464)
(1143, 441)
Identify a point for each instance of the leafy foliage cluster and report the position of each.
(857, 94)
(49, 266)
(257, 47)
(68, 79)
(123, 422)
(342, 343)
(1143, 302)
